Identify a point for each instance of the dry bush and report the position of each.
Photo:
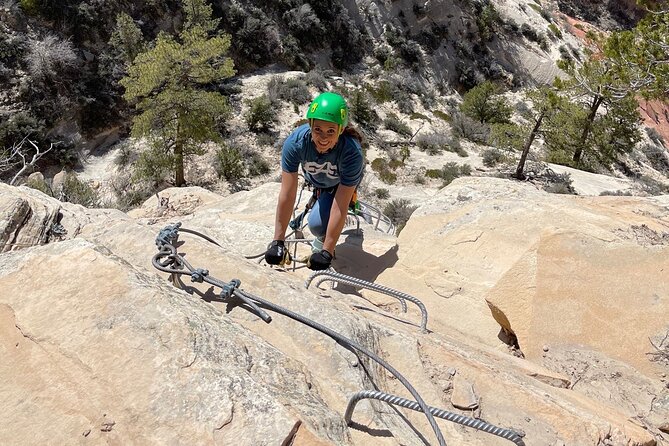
(50, 57)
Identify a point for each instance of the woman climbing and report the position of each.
(330, 153)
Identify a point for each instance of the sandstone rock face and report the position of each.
(30, 218)
(99, 347)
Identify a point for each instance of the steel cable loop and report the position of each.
(507, 434)
(207, 238)
(350, 345)
(205, 278)
(320, 280)
(375, 287)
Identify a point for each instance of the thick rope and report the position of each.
(440, 413)
(335, 276)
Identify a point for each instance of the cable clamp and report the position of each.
(198, 275)
(168, 235)
(229, 288)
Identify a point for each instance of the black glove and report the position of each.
(277, 253)
(320, 260)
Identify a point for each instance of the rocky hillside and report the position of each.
(60, 69)
(546, 317)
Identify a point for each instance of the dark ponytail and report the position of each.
(352, 131)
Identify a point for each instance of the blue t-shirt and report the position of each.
(341, 165)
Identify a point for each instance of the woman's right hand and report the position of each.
(277, 253)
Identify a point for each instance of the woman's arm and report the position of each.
(284, 207)
(338, 214)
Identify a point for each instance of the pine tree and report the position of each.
(485, 104)
(545, 102)
(644, 51)
(600, 83)
(126, 39)
(171, 86)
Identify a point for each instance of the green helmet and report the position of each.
(329, 107)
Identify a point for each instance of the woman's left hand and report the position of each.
(320, 260)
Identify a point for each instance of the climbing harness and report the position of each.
(170, 261)
(357, 209)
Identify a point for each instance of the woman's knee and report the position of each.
(317, 226)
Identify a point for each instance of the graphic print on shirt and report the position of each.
(329, 169)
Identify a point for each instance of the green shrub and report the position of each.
(433, 143)
(362, 110)
(454, 145)
(492, 157)
(130, 194)
(383, 53)
(419, 179)
(229, 163)
(292, 54)
(442, 115)
(399, 211)
(20, 124)
(126, 155)
(433, 173)
(257, 165)
(383, 92)
(78, 192)
(316, 78)
(655, 136)
(38, 184)
(265, 139)
(379, 164)
(449, 172)
(657, 156)
(653, 187)
(509, 136)
(405, 153)
(393, 122)
(31, 7)
(262, 114)
(465, 127)
(616, 193)
(294, 91)
(395, 163)
(531, 33)
(558, 183)
(382, 194)
(388, 176)
(486, 22)
(555, 30)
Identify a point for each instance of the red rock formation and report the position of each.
(656, 115)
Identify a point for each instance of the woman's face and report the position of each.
(324, 134)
